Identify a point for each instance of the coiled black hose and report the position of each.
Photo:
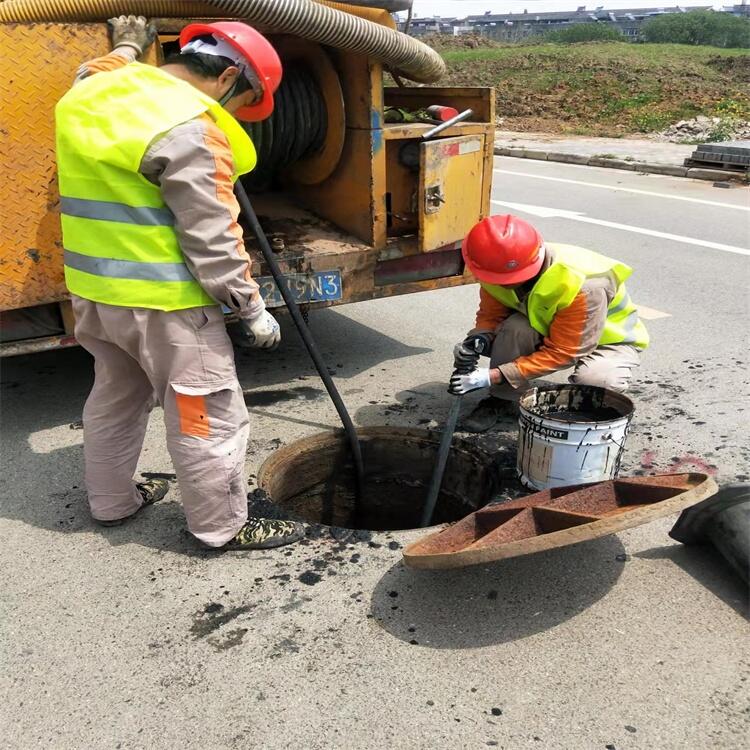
(297, 128)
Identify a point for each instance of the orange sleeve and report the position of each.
(193, 165)
(574, 332)
(112, 61)
(490, 314)
(115, 59)
(217, 143)
(561, 346)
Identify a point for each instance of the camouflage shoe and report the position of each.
(151, 491)
(264, 533)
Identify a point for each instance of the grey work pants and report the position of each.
(184, 361)
(609, 366)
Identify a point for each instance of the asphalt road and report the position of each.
(134, 637)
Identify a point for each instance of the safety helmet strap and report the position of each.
(230, 92)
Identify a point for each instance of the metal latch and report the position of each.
(433, 198)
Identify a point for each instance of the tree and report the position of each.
(699, 27)
(585, 32)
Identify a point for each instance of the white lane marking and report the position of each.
(625, 190)
(648, 313)
(560, 213)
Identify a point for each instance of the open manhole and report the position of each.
(312, 479)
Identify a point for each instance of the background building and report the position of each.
(514, 26)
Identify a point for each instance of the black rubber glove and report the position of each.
(467, 353)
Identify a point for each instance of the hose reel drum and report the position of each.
(296, 143)
(303, 139)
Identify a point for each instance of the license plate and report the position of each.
(321, 286)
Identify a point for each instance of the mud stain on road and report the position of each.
(268, 398)
(215, 615)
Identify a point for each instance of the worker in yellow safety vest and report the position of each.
(543, 307)
(146, 161)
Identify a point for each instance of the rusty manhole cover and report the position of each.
(312, 479)
(558, 517)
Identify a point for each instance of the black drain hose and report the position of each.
(304, 332)
(442, 459)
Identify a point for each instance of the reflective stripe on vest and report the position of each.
(558, 286)
(621, 305)
(145, 216)
(120, 244)
(127, 269)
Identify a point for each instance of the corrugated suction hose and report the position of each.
(311, 20)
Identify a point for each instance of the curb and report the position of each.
(672, 170)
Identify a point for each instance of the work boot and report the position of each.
(264, 533)
(487, 413)
(151, 491)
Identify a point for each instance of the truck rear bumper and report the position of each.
(32, 346)
(408, 284)
(308, 245)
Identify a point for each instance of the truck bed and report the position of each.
(311, 244)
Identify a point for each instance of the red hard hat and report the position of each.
(503, 250)
(258, 53)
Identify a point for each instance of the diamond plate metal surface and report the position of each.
(37, 67)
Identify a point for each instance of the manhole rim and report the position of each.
(329, 437)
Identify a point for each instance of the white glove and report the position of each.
(262, 332)
(460, 384)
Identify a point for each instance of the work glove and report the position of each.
(466, 354)
(262, 332)
(461, 383)
(132, 31)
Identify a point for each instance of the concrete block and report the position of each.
(567, 158)
(603, 161)
(669, 169)
(530, 153)
(502, 151)
(518, 152)
(696, 173)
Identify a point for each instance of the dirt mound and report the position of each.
(445, 42)
(608, 89)
(738, 67)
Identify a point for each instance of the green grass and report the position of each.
(597, 50)
(606, 88)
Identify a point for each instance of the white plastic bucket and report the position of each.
(571, 434)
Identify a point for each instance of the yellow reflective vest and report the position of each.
(558, 286)
(120, 245)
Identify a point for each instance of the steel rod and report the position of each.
(460, 117)
(304, 332)
(442, 460)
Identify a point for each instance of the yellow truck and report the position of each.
(356, 207)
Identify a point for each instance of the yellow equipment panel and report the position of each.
(37, 67)
(450, 189)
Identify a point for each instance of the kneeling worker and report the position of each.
(146, 162)
(543, 307)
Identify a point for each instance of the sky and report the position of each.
(461, 8)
